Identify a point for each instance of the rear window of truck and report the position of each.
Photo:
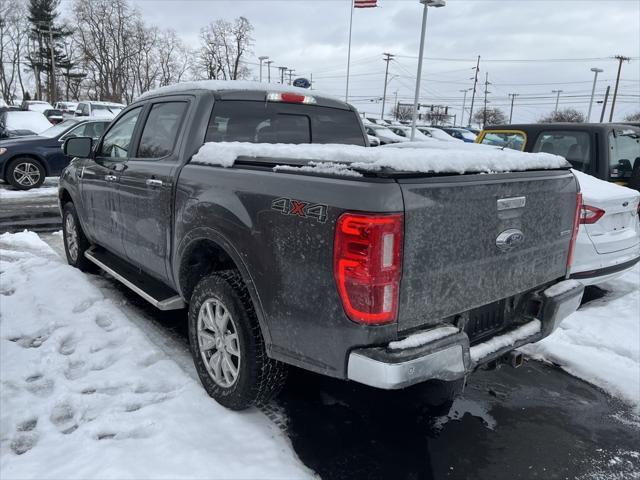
(266, 122)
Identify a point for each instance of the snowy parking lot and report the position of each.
(92, 387)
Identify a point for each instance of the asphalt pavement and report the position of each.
(35, 209)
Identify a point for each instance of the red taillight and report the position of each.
(576, 226)
(367, 265)
(589, 214)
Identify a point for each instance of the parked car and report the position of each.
(367, 277)
(373, 141)
(68, 108)
(459, 133)
(405, 132)
(26, 161)
(383, 134)
(608, 242)
(54, 115)
(607, 151)
(18, 123)
(437, 134)
(98, 109)
(36, 105)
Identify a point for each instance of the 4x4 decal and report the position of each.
(289, 206)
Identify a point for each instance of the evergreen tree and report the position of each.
(45, 53)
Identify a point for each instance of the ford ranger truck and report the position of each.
(387, 278)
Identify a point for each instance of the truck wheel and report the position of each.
(75, 242)
(25, 173)
(227, 345)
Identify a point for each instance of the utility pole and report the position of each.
(291, 70)
(473, 96)
(604, 104)
(486, 91)
(593, 90)
(387, 59)
(558, 92)
(464, 102)
(262, 59)
(282, 70)
(269, 62)
(620, 59)
(513, 97)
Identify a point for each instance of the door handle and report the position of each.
(152, 182)
(110, 178)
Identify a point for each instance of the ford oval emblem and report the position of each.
(509, 239)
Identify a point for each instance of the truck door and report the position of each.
(100, 179)
(146, 187)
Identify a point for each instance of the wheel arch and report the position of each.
(205, 251)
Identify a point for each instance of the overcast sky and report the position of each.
(311, 36)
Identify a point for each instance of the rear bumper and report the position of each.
(603, 274)
(451, 357)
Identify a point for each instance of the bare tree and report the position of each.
(402, 112)
(494, 116)
(174, 58)
(13, 42)
(633, 117)
(223, 46)
(566, 115)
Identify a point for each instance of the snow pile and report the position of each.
(237, 85)
(593, 189)
(422, 338)
(498, 342)
(329, 168)
(434, 160)
(85, 394)
(600, 343)
(33, 121)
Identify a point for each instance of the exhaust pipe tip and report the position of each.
(515, 359)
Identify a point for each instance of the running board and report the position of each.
(152, 290)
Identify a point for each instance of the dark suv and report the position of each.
(607, 151)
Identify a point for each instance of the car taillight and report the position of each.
(368, 264)
(590, 214)
(576, 226)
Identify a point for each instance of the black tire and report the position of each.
(71, 229)
(258, 378)
(24, 173)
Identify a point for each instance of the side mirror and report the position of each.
(78, 147)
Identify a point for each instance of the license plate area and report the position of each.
(485, 321)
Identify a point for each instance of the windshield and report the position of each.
(109, 108)
(58, 129)
(466, 134)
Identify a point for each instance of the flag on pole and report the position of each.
(365, 3)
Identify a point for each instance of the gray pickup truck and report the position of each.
(388, 278)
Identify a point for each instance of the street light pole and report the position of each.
(269, 62)
(557, 99)
(263, 58)
(596, 71)
(464, 102)
(427, 4)
(513, 97)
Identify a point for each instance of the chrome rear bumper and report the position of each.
(451, 357)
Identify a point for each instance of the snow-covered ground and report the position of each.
(89, 388)
(600, 343)
(48, 188)
(85, 393)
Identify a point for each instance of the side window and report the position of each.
(624, 152)
(574, 146)
(512, 140)
(161, 129)
(76, 132)
(117, 140)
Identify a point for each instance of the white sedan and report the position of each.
(608, 242)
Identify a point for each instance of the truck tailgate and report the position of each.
(452, 261)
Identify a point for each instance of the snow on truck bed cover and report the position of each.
(445, 159)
